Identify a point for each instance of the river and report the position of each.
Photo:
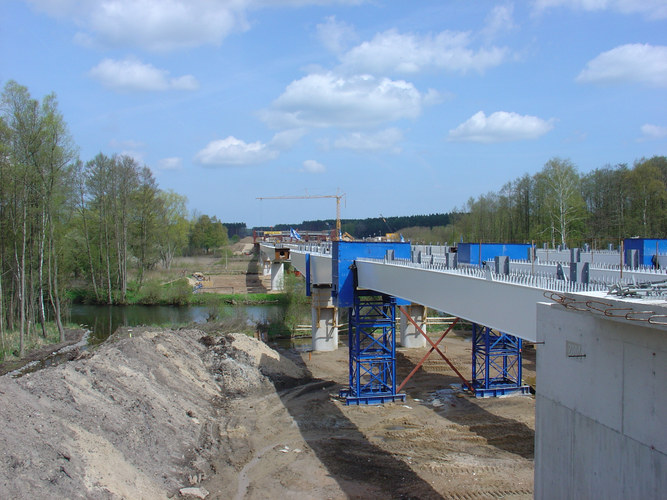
(102, 321)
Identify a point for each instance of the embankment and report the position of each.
(138, 418)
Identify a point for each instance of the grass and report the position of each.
(174, 293)
(33, 339)
(203, 299)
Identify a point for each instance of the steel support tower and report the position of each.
(496, 363)
(372, 344)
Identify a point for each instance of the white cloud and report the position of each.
(185, 82)
(498, 21)
(654, 9)
(287, 138)
(129, 147)
(328, 100)
(160, 25)
(172, 163)
(232, 151)
(393, 52)
(653, 132)
(384, 140)
(313, 167)
(151, 24)
(632, 63)
(132, 75)
(137, 156)
(500, 126)
(335, 35)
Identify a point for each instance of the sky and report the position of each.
(405, 107)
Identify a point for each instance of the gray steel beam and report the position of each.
(508, 307)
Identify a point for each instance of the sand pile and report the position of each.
(141, 417)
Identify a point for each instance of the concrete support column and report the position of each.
(266, 267)
(277, 276)
(410, 337)
(324, 319)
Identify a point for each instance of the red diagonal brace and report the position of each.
(434, 347)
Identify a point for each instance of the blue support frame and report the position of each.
(496, 363)
(372, 344)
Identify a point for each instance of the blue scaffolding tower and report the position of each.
(372, 344)
(496, 363)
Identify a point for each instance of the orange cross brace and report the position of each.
(434, 347)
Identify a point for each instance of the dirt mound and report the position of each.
(135, 419)
(242, 365)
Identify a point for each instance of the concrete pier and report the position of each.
(600, 406)
(410, 337)
(324, 319)
(277, 276)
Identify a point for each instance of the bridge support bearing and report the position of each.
(324, 319)
(496, 363)
(277, 276)
(410, 336)
(372, 343)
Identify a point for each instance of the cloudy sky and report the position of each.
(406, 107)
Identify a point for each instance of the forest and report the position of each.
(104, 222)
(558, 206)
(372, 226)
(63, 220)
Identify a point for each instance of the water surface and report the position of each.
(103, 320)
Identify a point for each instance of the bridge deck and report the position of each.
(505, 303)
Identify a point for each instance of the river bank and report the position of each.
(40, 357)
(156, 410)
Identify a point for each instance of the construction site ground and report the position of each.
(153, 412)
(238, 273)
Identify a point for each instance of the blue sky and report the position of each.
(406, 107)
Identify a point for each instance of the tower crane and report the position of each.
(338, 197)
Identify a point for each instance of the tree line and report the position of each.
(372, 226)
(63, 219)
(560, 206)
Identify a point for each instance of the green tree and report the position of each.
(37, 156)
(172, 237)
(648, 180)
(606, 196)
(147, 207)
(562, 198)
(207, 233)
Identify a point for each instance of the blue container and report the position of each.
(344, 253)
(476, 253)
(646, 248)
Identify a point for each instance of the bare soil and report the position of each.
(240, 273)
(155, 410)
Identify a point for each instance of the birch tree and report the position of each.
(563, 200)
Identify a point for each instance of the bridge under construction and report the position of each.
(599, 327)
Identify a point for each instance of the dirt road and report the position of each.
(150, 414)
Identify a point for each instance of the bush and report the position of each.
(179, 292)
(150, 293)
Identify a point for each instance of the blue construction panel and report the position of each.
(476, 253)
(646, 247)
(344, 253)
